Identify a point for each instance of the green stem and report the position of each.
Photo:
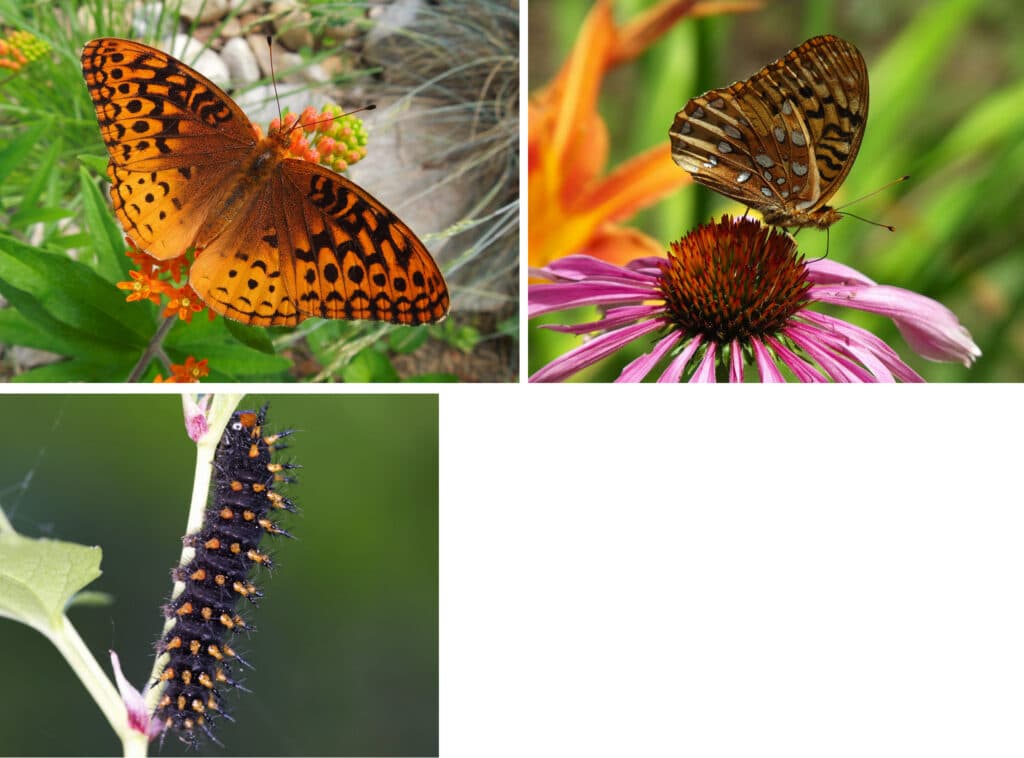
(152, 349)
(66, 639)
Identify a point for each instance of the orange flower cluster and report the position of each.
(151, 281)
(328, 136)
(155, 278)
(21, 48)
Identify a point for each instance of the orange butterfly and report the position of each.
(278, 239)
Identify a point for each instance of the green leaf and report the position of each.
(229, 359)
(369, 366)
(59, 336)
(464, 338)
(239, 363)
(80, 370)
(407, 339)
(97, 164)
(255, 337)
(45, 215)
(27, 212)
(71, 241)
(71, 295)
(17, 150)
(509, 327)
(323, 339)
(15, 329)
(38, 578)
(107, 237)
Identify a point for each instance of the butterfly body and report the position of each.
(783, 140)
(278, 239)
(241, 189)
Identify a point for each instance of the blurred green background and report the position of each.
(345, 652)
(946, 107)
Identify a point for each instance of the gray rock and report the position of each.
(241, 62)
(203, 60)
(205, 11)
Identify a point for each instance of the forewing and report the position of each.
(784, 139)
(172, 136)
(727, 140)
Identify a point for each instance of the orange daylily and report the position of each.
(573, 207)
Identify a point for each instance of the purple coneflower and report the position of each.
(733, 293)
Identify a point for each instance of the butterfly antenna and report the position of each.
(273, 77)
(360, 109)
(865, 197)
(869, 221)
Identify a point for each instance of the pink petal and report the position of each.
(674, 371)
(804, 371)
(591, 352)
(638, 369)
(766, 367)
(930, 328)
(650, 265)
(705, 372)
(735, 362)
(196, 417)
(810, 342)
(578, 267)
(828, 271)
(614, 318)
(134, 702)
(859, 336)
(544, 298)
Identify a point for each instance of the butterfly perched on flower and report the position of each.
(278, 239)
(783, 140)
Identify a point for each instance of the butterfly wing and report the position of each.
(315, 244)
(783, 140)
(174, 140)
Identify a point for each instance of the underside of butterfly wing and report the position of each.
(782, 141)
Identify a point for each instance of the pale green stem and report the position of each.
(66, 639)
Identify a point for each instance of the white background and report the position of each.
(732, 571)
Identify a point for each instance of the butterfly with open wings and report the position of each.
(278, 239)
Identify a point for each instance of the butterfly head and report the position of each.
(820, 218)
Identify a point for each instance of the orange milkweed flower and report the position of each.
(184, 303)
(190, 371)
(142, 287)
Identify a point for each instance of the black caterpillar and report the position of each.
(240, 511)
